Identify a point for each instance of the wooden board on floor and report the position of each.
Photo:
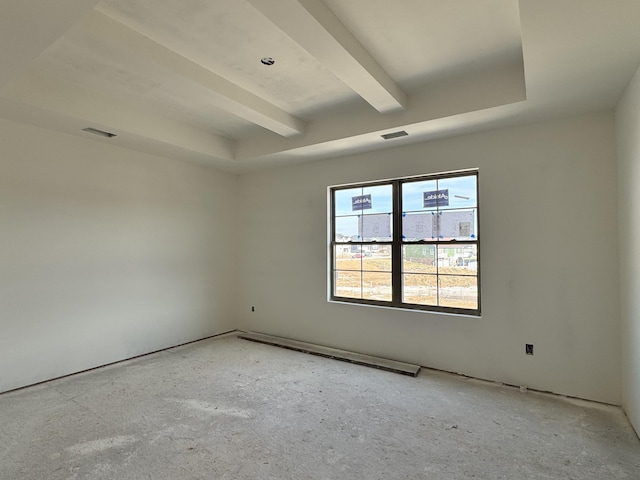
(358, 358)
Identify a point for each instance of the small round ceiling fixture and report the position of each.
(267, 61)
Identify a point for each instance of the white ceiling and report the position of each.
(183, 78)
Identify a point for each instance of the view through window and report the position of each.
(409, 243)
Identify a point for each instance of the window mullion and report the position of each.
(396, 261)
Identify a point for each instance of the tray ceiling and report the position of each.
(184, 78)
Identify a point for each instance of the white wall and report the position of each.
(549, 259)
(628, 142)
(106, 253)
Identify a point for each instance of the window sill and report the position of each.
(408, 310)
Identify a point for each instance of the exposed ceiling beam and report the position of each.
(314, 26)
(228, 96)
(117, 116)
(28, 27)
(355, 127)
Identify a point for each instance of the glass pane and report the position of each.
(420, 289)
(414, 193)
(376, 227)
(348, 284)
(458, 260)
(457, 291)
(381, 199)
(345, 258)
(457, 224)
(377, 199)
(348, 228)
(343, 201)
(461, 192)
(376, 258)
(419, 259)
(419, 226)
(376, 286)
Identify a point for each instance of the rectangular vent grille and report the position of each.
(102, 133)
(389, 136)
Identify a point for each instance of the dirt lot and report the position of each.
(458, 285)
(380, 269)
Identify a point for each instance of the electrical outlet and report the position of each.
(528, 348)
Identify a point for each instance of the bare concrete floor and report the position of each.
(231, 409)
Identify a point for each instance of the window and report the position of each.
(411, 243)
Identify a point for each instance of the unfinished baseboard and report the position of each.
(344, 355)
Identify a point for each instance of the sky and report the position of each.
(461, 192)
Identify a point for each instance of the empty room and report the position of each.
(323, 239)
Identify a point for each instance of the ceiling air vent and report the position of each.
(102, 133)
(389, 136)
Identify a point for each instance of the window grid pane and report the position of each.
(420, 289)
(348, 284)
(457, 291)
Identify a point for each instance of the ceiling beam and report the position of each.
(117, 116)
(312, 25)
(355, 128)
(228, 96)
(28, 27)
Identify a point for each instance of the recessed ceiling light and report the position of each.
(102, 133)
(267, 61)
(389, 136)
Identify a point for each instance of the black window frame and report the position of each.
(397, 243)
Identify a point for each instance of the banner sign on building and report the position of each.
(436, 198)
(361, 202)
